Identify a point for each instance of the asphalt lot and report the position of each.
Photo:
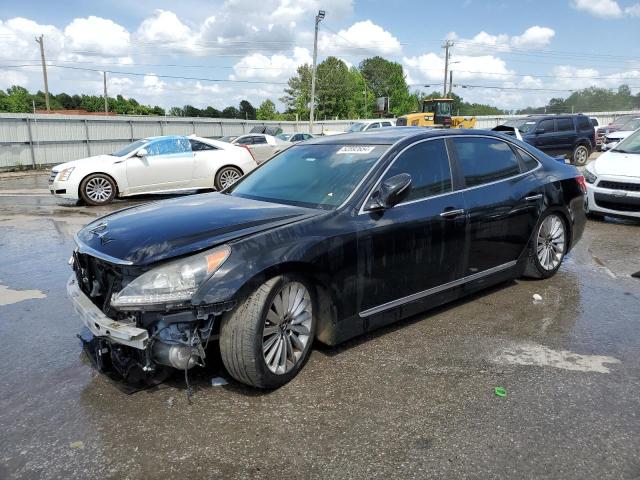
(415, 400)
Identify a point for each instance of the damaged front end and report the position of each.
(140, 320)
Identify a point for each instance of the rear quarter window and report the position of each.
(585, 124)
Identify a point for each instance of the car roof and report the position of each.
(391, 135)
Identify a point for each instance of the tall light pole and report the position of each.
(319, 18)
(40, 41)
(448, 44)
(106, 98)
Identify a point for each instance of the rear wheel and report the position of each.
(98, 189)
(580, 155)
(226, 177)
(265, 341)
(548, 247)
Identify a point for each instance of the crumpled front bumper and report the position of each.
(101, 325)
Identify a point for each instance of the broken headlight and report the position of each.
(174, 282)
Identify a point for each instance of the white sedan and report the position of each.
(613, 181)
(610, 140)
(152, 165)
(262, 146)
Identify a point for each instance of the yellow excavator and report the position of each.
(436, 112)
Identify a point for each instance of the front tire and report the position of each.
(580, 156)
(548, 247)
(97, 189)
(226, 177)
(265, 341)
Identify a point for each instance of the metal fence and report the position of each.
(31, 140)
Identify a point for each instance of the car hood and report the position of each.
(617, 164)
(617, 135)
(152, 232)
(96, 159)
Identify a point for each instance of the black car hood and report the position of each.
(157, 231)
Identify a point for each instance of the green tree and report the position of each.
(16, 100)
(230, 112)
(298, 92)
(386, 79)
(267, 111)
(246, 111)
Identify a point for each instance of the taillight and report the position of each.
(582, 183)
(248, 150)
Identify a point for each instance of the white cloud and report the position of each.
(18, 34)
(274, 67)
(599, 8)
(164, 26)
(362, 38)
(430, 67)
(153, 83)
(633, 10)
(534, 37)
(96, 38)
(9, 78)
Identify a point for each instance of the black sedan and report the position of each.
(327, 240)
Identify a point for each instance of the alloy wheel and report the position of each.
(581, 155)
(287, 328)
(228, 177)
(98, 189)
(550, 245)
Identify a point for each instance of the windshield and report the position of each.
(130, 148)
(356, 127)
(284, 136)
(526, 126)
(315, 176)
(631, 144)
(631, 125)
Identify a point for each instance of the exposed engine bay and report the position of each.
(136, 346)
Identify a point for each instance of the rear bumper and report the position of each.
(102, 326)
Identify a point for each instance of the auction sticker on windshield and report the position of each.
(363, 149)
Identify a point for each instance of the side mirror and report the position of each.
(390, 193)
(539, 131)
(142, 153)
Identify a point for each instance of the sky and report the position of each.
(508, 53)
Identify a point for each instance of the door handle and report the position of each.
(533, 198)
(452, 213)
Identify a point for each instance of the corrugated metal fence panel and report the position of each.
(60, 138)
(13, 130)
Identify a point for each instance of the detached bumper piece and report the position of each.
(140, 356)
(120, 363)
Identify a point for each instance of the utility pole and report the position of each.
(106, 98)
(447, 45)
(40, 41)
(319, 18)
(450, 82)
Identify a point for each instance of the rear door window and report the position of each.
(485, 160)
(564, 124)
(428, 165)
(547, 125)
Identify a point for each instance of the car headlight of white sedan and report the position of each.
(589, 176)
(64, 175)
(174, 282)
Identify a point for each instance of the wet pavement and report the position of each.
(415, 400)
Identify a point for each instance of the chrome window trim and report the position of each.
(361, 211)
(440, 288)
